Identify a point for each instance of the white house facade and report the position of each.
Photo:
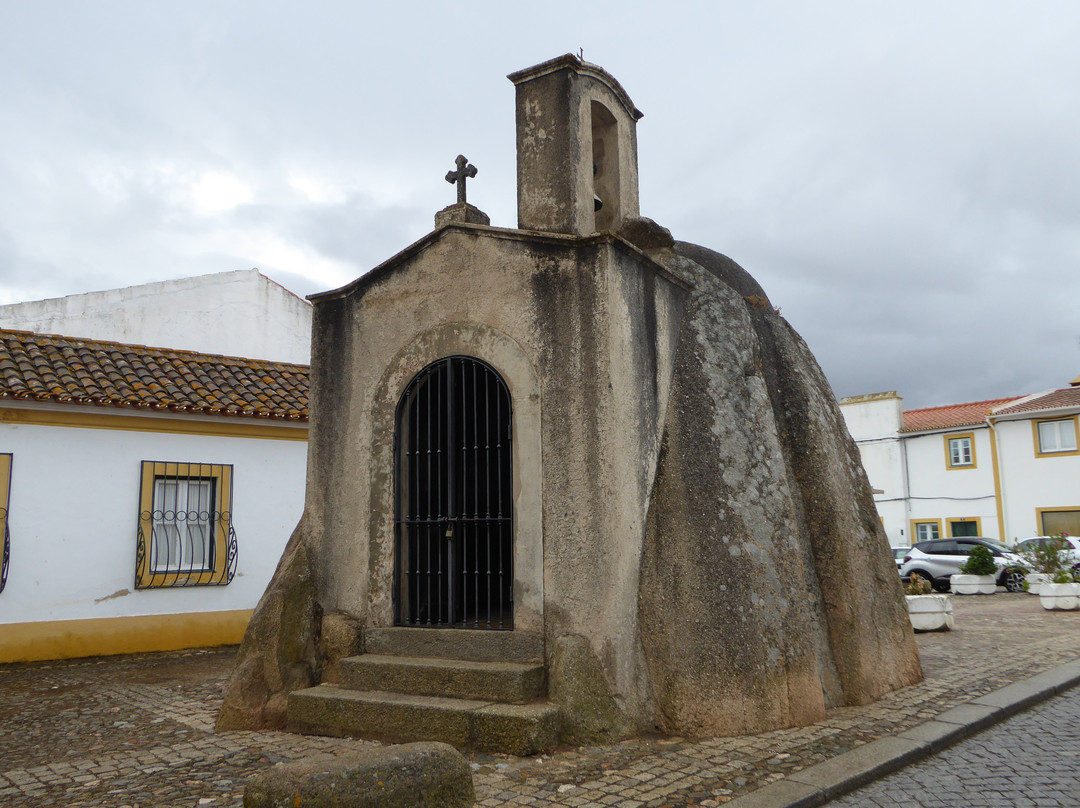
(1005, 468)
(241, 313)
(149, 493)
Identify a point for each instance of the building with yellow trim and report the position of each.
(1005, 468)
(149, 493)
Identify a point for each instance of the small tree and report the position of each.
(1045, 556)
(979, 562)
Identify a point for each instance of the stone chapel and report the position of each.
(570, 482)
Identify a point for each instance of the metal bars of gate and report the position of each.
(453, 519)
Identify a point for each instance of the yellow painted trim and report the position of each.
(1040, 511)
(948, 454)
(950, 521)
(5, 496)
(134, 423)
(999, 500)
(69, 639)
(145, 577)
(914, 533)
(1038, 446)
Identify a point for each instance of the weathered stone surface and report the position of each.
(280, 651)
(693, 535)
(578, 686)
(415, 775)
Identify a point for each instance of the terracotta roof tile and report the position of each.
(952, 415)
(1066, 397)
(46, 367)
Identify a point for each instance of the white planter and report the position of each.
(930, 612)
(1035, 581)
(973, 584)
(1060, 596)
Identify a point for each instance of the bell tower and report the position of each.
(576, 148)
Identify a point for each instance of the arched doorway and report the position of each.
(454, 499)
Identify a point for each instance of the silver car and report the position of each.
(937, 560)
(1070, 548)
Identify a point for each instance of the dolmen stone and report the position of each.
(411, 775)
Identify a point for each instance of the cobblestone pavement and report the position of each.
(137, 731)
(1029, 760)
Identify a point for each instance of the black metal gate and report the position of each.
(453, 499)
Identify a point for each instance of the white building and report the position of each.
(240, 313)
(149, 493)
(1005, 468)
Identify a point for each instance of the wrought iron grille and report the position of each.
(7, 550)
(453, 498)
(185, 534)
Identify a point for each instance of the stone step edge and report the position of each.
(441, 662)
(534, 726)
(478, 645)
(503, 682)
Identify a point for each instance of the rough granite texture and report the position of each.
(712, 560)
(415, 775)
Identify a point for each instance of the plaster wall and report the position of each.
(584, 335)
(555, 152)
(240, 313)
(874, 422)
(1032, 482)
(940, 493)
(73, 518)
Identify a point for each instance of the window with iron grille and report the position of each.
(5, 490)
(185, 535)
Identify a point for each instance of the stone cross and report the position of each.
(464, 170)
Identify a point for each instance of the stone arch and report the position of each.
(605, 167)
(505, 356)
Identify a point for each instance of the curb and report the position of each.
(817, 784)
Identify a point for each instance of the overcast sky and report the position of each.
(903, 179)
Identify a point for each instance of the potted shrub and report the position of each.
(926, 611)
(1061, 592)
(1046, 560)
(978, 575)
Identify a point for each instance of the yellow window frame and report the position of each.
(948, 451)
(956, 520)
(1040, 511)
(914, 523)
(218, 573)
(1065, 453)
(5, 501)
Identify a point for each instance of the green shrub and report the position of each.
(979, 562)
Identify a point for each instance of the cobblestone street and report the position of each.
(137, 731)
(1029, 760)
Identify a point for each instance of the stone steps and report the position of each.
(479, 690)
(487, 726)
(508, 682)
(480, 646)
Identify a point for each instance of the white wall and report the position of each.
(74, 511)
(240, 313)
(1033, 482)
(874, 422)
(938, 492)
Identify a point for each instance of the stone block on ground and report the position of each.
(414, 775)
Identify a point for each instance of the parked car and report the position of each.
(900, 553)
(937, 560)
(1070, 552)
